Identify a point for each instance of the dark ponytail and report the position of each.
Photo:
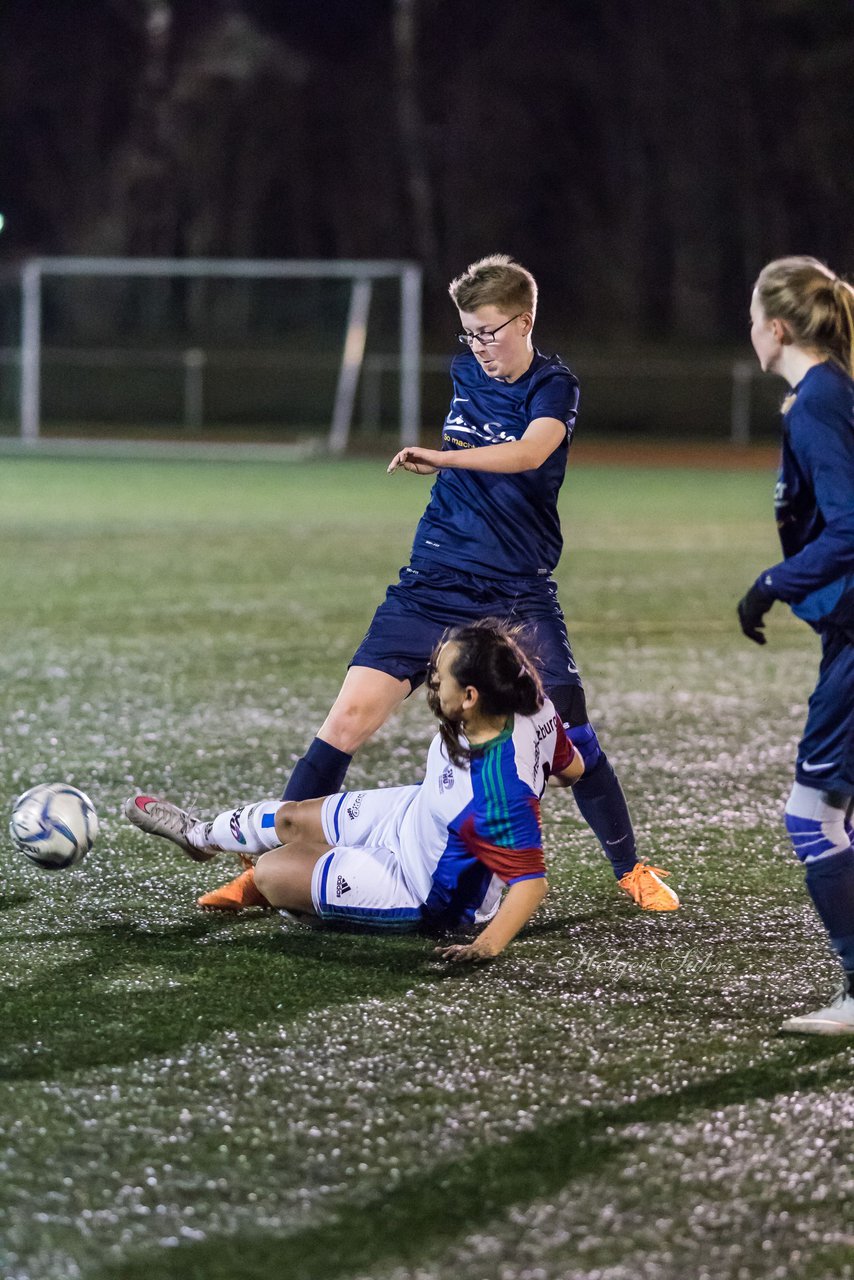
(488, 657)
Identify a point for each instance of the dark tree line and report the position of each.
(643, 156)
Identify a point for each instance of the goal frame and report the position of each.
(361, 272)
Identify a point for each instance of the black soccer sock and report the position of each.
(319, 772)
(603, 807)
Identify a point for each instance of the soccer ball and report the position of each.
(54, 824)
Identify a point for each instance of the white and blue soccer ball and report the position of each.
(54, 825)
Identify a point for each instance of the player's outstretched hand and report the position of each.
(466, 953)
(421, 461)
(752, 609)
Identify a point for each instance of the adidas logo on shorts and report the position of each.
(341, 887)
(353, 809)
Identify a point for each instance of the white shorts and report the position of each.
(360, 881)
(367, 817)
(364, 885)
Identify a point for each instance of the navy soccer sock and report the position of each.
(319, 772)
(830, 881)
(603, 807)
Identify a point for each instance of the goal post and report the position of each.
(361, 275)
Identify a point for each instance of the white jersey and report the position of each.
(464, 824)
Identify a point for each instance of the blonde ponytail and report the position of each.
(816, 306)
(845, 301)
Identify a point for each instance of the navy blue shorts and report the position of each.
(826, 751)
(427, 599)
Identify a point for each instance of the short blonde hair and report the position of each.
(815, 305)
(495, 281)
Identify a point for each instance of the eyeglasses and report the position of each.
(487, 337)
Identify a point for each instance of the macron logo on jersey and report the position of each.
(487, 433)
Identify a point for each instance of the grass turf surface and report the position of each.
(188, 1096)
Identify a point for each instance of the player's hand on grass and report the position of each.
(467, 953)
(517, 906)
(423, 462)
(752, 608)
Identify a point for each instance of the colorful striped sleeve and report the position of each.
(564, 750)
(502, 829)
(508, 864)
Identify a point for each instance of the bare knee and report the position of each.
(300, 820)
(269, 878)
(284, 877)
(287, 822)
(350, 723)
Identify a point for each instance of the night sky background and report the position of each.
(643, 157)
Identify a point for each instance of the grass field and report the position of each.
(184, 1096)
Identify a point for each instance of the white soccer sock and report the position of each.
(250, 829)
(817, 829)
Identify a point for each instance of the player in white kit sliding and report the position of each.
(439, 854)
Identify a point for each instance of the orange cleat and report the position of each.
(650, 893)
(238, 894)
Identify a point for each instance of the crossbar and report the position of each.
(360, 271)
(248, 268)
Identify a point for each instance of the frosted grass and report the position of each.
(146, 643)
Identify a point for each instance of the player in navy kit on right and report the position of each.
(803, 329)
(486, 546)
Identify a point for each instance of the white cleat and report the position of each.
(160, 818)
(836, 1020)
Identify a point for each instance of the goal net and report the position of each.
(216, 349)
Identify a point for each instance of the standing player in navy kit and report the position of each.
(803, 329)
(486, 546)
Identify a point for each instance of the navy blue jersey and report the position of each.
(499, 525)
(814, 500)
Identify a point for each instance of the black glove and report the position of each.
(752, 608)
